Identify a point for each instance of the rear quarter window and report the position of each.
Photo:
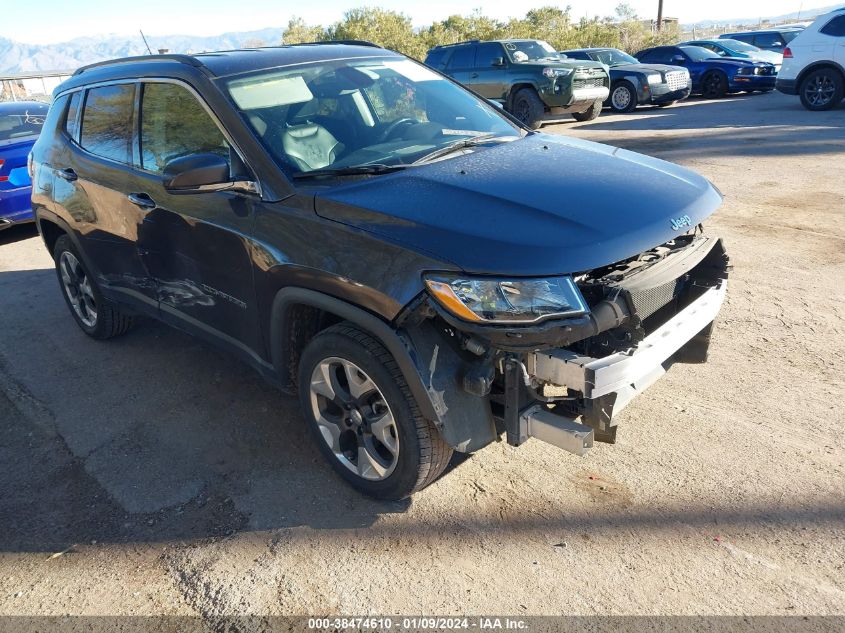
(107, 122)
(22, 125)
(836, 27)
(437, 59)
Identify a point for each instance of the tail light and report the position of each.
(3, 178)
(787, 54)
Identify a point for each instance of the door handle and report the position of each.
(142, 200)
(67, 174)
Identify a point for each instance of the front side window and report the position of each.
(487, 53)
(612, 57)
(351, 113)
(107, 122)
(175, 124)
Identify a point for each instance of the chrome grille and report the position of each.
(677, 79)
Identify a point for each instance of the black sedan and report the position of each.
(633, 83)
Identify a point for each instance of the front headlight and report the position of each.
(551, 73)
(489, 300)
(655, 79)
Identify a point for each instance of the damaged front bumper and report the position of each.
(565, 381)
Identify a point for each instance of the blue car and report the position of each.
(20, 125)
(714, 76)
(735, 48)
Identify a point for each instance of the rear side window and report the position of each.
(769, 40)
(437, 58)
(836, 27)
(107, 122)
(463, 57)
(73, 114)
(175, 124)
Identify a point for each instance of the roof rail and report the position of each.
(346, 42)
(184, 59)
(456, 44)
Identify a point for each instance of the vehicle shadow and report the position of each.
(18, 233)
(150, 436)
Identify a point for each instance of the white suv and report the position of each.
(814, 63)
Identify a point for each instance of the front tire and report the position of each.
(528, 108)
(623, 97)
(364, 418)
(822, 89)
(714, 85)
(98, 317)
(589, 114)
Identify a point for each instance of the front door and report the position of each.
(196, 246)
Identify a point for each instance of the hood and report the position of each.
(638, 68)
(542, 205)
(767, 56)
(559, 63)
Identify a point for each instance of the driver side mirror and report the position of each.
(498, 62)
(200, 173)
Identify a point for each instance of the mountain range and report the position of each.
(18, 57)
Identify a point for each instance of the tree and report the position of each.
(386, 28)
(298, 32)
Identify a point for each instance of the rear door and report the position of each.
(91, 182)
(832, 39)
(196, 246)
(461, 63)
(487, 79)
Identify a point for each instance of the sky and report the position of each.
(51, 21)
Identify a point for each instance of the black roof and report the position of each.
(221, 63)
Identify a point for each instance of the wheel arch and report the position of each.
(299, 314)
(515, 88)
(818, 66)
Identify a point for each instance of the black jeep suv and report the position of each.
(427, 273)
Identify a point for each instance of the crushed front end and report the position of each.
(564, 379)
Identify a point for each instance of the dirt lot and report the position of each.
(173, 480)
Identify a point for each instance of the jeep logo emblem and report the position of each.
(681, 222)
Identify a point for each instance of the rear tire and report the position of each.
(528, 108)
(589, 114)
(98, 317)
(822, 89)
(623, 97)
(355, 398)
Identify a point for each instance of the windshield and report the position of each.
(697, 53)
(612, 57)
(25, 123)
(736, 45)
(530, 51)
(349, 113)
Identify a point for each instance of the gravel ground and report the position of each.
(153, 475)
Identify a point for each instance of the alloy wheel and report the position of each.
(354, 418)
(621, 98)
(820, 90)
(78, 289)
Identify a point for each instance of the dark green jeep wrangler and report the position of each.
(527, 77)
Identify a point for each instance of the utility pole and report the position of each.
(659, 15)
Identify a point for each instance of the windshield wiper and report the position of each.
(375, 168)
(454, 147)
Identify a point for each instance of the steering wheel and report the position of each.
(392, 127)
